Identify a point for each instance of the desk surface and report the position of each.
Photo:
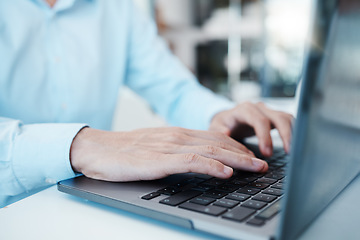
(54, 215)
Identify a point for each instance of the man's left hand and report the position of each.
(247, 119)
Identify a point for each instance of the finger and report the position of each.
(217, 138)
(181, 136)
(191, 162)
(192, 144)
(222, 145)
(283, 125)
(282, 122)
(174, 140)
(262, 127)
(246, 162)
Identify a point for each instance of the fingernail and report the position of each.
(228, 170)
(258, 164)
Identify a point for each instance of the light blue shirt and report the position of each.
(61, 69)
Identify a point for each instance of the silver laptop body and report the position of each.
(325, 154)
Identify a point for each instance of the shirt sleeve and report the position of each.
(33, 156)
(158, 76)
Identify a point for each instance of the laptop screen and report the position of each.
(326, 152)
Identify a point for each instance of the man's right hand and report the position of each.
(148, 154)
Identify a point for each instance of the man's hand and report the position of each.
(248, 118)
(148, 154)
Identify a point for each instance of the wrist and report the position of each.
(76, 148)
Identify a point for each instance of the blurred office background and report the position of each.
(241, 49)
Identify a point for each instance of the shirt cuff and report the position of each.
(41, 154)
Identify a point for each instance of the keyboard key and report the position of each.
(264, 198)
(195, 180)
(245, 177)
(271, 159)
(283, 160)
(227, 203)
(271, 169)
(180, 197)
(266, 180)
(237, 196)
(248, 190)
(279, 171)
(277, 164)
(171, 190)
(273, 191)
(258, 175)
(258, 185)
(270, 211)
(241, 174)
(279, 153)
(202, 200)
(239, 214)
(215, 182)
(215, 194)
(256, 222)
(150, 196)
(249, 179)
(253, 204)
(238, 182)
(203, 187)
(182, 184)
(211, 210)
(227, 188)
(275, 176)
(284, 168)
(283, 180)
(278, 186)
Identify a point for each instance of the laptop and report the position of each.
(281, 203)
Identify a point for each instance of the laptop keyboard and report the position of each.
(247, 197)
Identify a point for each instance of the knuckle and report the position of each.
(260, 104)
(222, 145)
(220, 135)
(211, 150)
(262, 120)
(285, 115)
(285, 118)
(247, 104)
(175, 136)
(191, 158)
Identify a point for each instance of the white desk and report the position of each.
(54, 215)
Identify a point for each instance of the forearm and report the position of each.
(196, 107)
(159, 77)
